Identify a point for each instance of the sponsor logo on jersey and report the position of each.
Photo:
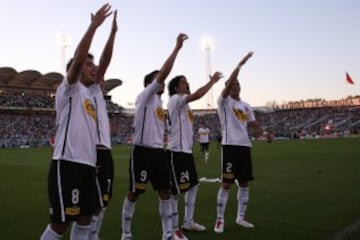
(229, 175)
(184, 186)
(106, 197)
(140, 186)
(72, 211)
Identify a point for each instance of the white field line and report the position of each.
(346, 232)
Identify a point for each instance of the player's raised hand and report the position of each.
(98, 18)
(244, 60)
(216, 77)
(180, 40)
(114, 26)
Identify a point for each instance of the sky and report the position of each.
(302, 49)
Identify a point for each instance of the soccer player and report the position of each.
(203, 133)
(235, 116)
(148, 160)
(184, 175)
(72, 178)
(104, 163)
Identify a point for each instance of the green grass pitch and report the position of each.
(303, 190)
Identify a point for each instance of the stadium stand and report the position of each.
(27, 114)
(27, 99)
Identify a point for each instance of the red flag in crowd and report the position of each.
(348, 79)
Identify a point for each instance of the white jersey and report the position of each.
(103, 123)
(234, 117)
(149, 118)
(181, 124)
(203, 134)
(75, 138)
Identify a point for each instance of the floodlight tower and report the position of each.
(208, 45)
(64, 42)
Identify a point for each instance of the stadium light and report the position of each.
(64, 43)
(207, 44)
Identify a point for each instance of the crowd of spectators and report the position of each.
(311, 122)
(122, 128)
(26, 129)
(29, 120)
(17, 99)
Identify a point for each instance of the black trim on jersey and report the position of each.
(97, 120)
(226, 131)
(181, 146)
(168, 117)
(67, 126)
(143, 125)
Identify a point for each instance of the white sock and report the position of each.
(222, 198)
(206, 157)
(96, 223)
(79, 232)
(175, 214)
(93, 229)
(190, 199)
(50, 234)
(127, 215)
(165, 211)
(243, 199)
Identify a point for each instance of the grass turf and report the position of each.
(303, 189)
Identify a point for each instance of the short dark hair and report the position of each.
(150, 77)
(173, 84)
(68, 65)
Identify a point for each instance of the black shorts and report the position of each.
(105, 176)
(148, 164)
(204, 147)
(183, 172)
(236, 163)
(72, 191)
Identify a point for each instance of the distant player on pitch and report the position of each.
(204, 139)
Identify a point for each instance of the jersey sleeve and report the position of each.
(220, 101)
(149, 90)
(180, 100)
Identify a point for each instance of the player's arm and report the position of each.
(168, 64)
(204, 89)
(198, 134)
(107, 52)
(84, 45)
(256, 127)
(232, 79)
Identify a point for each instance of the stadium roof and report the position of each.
(34, 80)
(110, 84)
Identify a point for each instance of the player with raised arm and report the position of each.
(184, 175)
(72, 175)
(235, 116)
(148, 160)
(104, 163)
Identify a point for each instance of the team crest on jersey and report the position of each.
(160, 114)
(190, 116)
(90, 109)
(242, 116)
